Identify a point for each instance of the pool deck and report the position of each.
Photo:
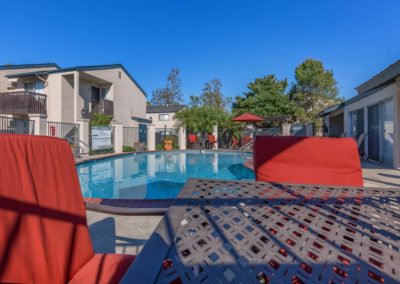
(128, 234)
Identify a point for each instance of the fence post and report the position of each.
(182, 138)
(151, 137)
(286, 129)
(310, 129)
(118, 137)
(40, 127)
(215, 133)
(84, 134)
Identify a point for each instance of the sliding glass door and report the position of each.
(373, 133)
(388, 134)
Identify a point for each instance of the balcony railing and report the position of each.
(104, 107)
(22, 102)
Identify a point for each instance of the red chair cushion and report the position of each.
(44, 236)
(307, 160)
(192, 138)
(211, 139)
(104, 268)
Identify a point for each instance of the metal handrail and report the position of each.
(246, 146)
(81, 149)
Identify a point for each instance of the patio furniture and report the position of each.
(44, 237)
(360, 146)
(307, 160)
(192, 140)
(211, 141)
(221, 231)
(234, 142)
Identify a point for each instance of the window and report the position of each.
(29, 86)
(163, 117)
(34, 86)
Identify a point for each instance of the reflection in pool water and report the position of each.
(158, 175)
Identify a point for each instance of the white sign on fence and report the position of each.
(101, 138)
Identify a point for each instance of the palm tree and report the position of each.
(200, 119)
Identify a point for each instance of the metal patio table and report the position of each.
(221, 231)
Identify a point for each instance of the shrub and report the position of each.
(128, 149)
(159, 147)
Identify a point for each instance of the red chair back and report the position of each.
(234, 141)
(211, 139)
(307, 160)
(192, 138)
(44, 236)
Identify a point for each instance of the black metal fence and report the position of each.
(16, 125)
(162, 133)
(271, 131)
(101, 139)
(298, 129)
(68, 131)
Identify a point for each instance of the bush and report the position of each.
(99, 119)
(128, 149)
(159, 147)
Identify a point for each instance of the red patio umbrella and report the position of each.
(247, 117)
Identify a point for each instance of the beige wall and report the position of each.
(67, 97)
(161, 123)
(128, 99)
(3, 73)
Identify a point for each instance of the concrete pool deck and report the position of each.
(128, 234)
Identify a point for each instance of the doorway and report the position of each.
(95, 97)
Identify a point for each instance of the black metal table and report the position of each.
(253, 232)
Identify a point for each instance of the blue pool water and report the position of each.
(157, 175)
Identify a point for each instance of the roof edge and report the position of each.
(24, 66)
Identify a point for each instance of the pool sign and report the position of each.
(101, 137)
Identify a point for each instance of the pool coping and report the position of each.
(131, 206)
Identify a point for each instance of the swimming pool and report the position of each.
(157, 175)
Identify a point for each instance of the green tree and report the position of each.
(315, 88)
(200, 119)
(172, 93)
(211, 96)
(266, 96)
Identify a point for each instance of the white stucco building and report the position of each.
(375, 110)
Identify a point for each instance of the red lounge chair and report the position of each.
(234, 142)
(307, 160)
(44, 236)
(192, 140)
(211, 140)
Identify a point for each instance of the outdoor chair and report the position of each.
(44, 237)
(211, 141)
(307, 160)
(192, 140)
(360, 146)
(234, 142)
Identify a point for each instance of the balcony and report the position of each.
(105, 107)
(22, 102)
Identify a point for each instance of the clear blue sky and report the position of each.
(235, 41)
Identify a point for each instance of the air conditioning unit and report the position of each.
(11, 83)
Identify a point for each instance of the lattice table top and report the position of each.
(253, 232)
